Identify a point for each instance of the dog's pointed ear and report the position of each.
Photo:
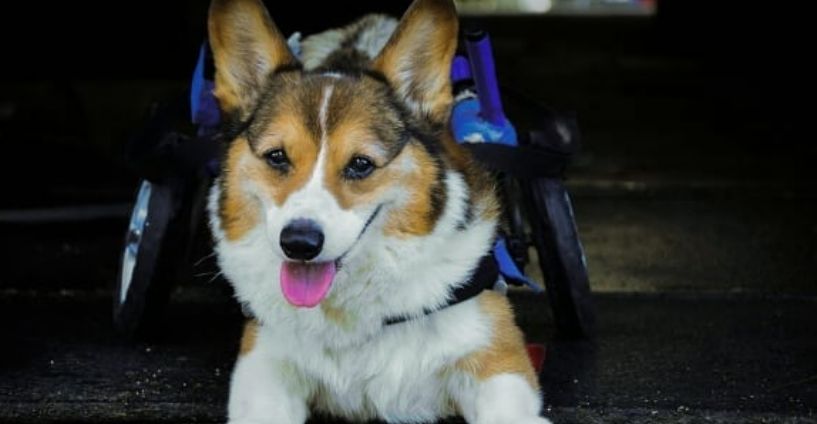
(417, 58)
(247, 47)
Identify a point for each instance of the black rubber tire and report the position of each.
(156, 265)
(561, 258)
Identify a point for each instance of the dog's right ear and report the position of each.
(247, 47)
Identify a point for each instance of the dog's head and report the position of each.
(321, 157)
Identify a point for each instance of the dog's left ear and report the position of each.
(417, 59)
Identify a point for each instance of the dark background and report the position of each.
(77, 78)
(694, 194)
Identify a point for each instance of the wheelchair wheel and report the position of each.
(147, 266)
(561, 257)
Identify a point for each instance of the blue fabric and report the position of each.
(197, 86)
(204, 111)
(469, 127)
(508, 268)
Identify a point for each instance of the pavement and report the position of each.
(695, 200)
(656, 358)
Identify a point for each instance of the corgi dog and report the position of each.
(346, 217)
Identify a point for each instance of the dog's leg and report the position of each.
(503, 399)
(498, 384)
(263, 390)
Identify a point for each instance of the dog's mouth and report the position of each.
(305, 284)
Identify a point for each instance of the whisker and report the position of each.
(210, 255)
(218, 274)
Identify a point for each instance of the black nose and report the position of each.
(302, 239)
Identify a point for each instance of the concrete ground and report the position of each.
(656, 358)
(695, 200)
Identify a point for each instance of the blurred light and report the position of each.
(536, 6)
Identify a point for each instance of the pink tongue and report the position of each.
(306, 284)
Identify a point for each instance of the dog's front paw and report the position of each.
(252, 421)
(536, 420)
(514, 420)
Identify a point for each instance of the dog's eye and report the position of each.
(358, 168)
(277, 159)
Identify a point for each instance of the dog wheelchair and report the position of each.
(177, 162)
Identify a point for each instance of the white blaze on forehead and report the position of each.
(333, 74)
(316, 180)
(324, 110)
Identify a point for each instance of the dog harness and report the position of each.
(484, 277)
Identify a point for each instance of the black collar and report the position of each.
(483, 278)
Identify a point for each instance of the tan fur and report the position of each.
(352, 110)
(507, 353)
(302, 152)
(479, 180)
(415, 218)
(347, 142)
(240, 30)
(239, 208)
(335, 314)
(243, 164)
(239, 211)
(249, 337)
(426, 54)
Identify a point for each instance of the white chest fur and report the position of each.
(404, 373)
(339, 354)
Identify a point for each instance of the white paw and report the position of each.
(507, 399)
(245, 422)
(535, 420)
(517, 420)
